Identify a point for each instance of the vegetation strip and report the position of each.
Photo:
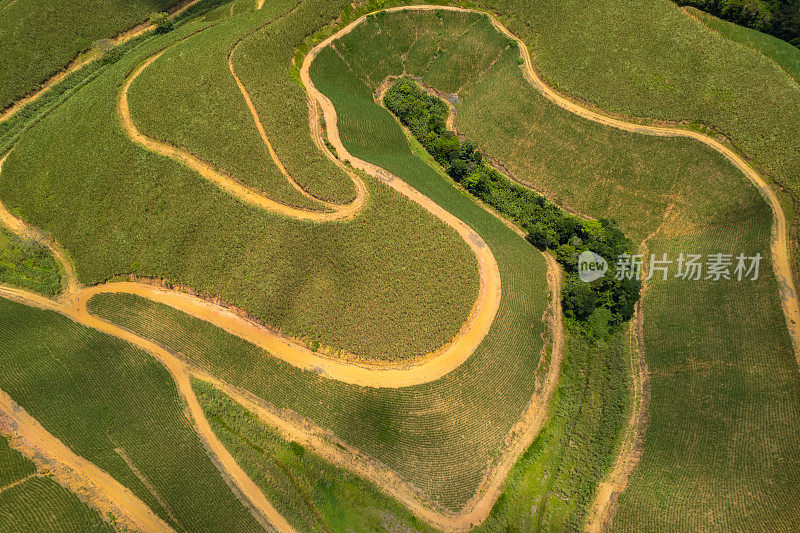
(548, 227)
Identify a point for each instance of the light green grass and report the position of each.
(392, 283)
(38, 39)
(97, 394)
(28, 265)
(311, 493)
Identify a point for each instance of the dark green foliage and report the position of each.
(780, 18)
(548, 226)
(162, 22)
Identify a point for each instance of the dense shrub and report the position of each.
(548, 226)
(162, 22)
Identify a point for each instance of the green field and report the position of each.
(379, 286)
(311, 493)
(436, 436)
(38, 39)
(784, 54)
(34, 502)
(722, 365)
(658, 62)
(115, 406)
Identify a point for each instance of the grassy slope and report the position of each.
(589, 406)
(378, 286)
(722, 367)
(38, 503)
(28, 265)
(783, 53)
(38, 39)
(311, 493)
(97, 394)
(558, 474)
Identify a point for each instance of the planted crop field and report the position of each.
(784, 54)
(316, 495)
(704, 352)
(41, 504)
(118, 408)
(417, 431)
(297, 293)
(332, 284)
(658, 62)
(31, 501)
(38, 39)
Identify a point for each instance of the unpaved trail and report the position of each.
(606, 499)
(85, 58)
(74, 472)
(322, 442)
(518, 439)
(181, 375)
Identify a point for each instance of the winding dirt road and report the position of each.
(385, 374)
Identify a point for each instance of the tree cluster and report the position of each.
(548, 226)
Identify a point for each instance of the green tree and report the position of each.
(162, 22)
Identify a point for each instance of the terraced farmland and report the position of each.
(264, 304)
